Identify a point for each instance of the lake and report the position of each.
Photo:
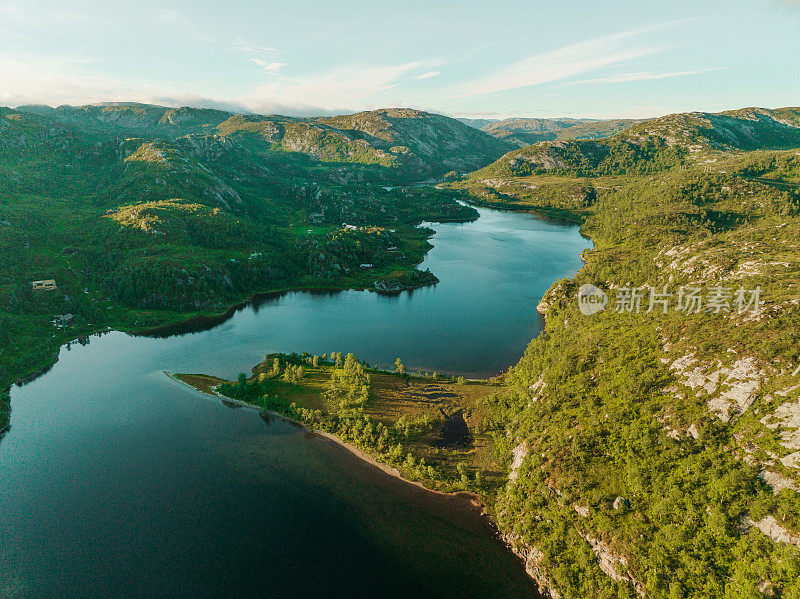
(115, 481)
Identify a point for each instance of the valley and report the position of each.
(146, 216)
(631, 452)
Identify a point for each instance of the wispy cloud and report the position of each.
(644, 76)
(347, 87)
(18, 21)
(428, 75)
(267, 66)
(243, 46)
(44, 80)
(565, 62)
(63, 79)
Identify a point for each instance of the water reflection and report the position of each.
(116, 481)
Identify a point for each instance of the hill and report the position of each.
(653, 445)
(674, 140)
(408, 144)
(523, 132)
(146, 215)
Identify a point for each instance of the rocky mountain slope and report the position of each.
(653, 444)
(407, 144)
(659, 143)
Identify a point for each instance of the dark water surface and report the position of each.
(114, 481)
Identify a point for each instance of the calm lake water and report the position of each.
(114, 481)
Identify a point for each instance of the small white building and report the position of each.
(44, 285)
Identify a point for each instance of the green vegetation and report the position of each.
(430, 428)
(523, 132)
(146, 216)
(628, 452)
(646, 445)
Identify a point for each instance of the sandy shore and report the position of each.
(474, 499)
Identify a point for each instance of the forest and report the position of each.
(649, 455)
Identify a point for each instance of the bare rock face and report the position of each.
(614, 566)
(582, 511)
(520, 452)
(777, 481)
(532, 558)
(787, 416)
(770, 527)
(730, 390)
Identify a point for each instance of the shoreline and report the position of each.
(182, 323)
(474, 499)
(202, 322)
(472, 502)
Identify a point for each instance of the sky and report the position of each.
(498, 59)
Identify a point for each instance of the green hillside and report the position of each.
(409, 144)
(146, 215)
(656, 454)
(650, 452)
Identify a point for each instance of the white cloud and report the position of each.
(644, 76)
(268, 66)
(581, 57)
(44, 81)
(349, 87)
(243, 46)
(58, 80)
(428, 75)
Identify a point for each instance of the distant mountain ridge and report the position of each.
(526, 131)
(658, 143)
(413, 143)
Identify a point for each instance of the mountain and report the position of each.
(131, 118)
(411, 144)
(145, 214)
(658, 143)
(653, 443)
(744, 129)
(523, 132)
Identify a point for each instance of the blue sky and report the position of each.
(476, 59)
